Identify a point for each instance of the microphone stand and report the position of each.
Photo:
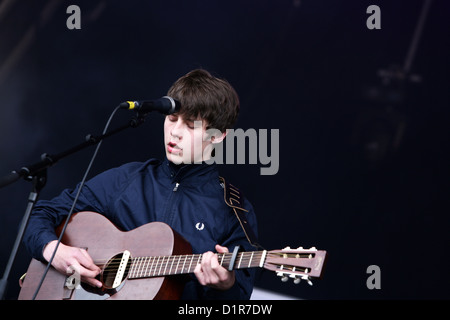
(37, 174)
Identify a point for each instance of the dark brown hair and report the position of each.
(204, 96)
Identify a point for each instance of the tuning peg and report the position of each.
(310, 249)
(308, 279)
(287, 248)
(297, 280)
(284, 277)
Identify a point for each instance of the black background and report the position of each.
(364, 160)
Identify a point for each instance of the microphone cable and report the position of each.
(74, 203)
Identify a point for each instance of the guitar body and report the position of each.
(103, 240)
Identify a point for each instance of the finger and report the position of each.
(221, 249)
(203, 276)
(223, 274)
(220, 272)
(93, 282)
(199, 274)
(89, 272)
(206, 262)
(87, 262)
(82, 274)
(214, 263)
(87, 269)
(213, 269)
(209, 266)
(88, 276)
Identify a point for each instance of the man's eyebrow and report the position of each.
(192, 119)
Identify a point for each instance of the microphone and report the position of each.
(165, 105)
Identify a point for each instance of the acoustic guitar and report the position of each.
(149, 262)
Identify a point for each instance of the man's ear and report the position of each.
(218, 138)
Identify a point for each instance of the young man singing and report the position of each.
(182, 190)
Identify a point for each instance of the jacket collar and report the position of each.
(190, 173)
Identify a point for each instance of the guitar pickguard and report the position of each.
(87, 292)
(113, 277)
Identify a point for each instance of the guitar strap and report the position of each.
(234, 199)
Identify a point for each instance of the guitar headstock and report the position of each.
(297, 264)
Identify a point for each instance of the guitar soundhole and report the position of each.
(111, 270)
(108, 278)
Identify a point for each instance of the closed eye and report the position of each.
(172, 117)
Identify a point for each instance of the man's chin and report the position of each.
(174, 159)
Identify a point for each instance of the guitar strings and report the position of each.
(166, 259)
(243, 256)
(116, 261)
(158, 266)
(145, 267)
(145, 264)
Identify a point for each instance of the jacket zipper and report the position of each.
(176, 187)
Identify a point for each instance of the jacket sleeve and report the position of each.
(95, 196)
(48, 214)
(243, 287)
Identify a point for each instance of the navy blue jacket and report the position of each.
(187, 198)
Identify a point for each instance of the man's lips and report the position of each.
(173, 148)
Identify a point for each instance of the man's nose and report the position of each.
(177, 129)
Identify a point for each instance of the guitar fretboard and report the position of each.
(145, 267)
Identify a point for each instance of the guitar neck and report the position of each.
(145, 267)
